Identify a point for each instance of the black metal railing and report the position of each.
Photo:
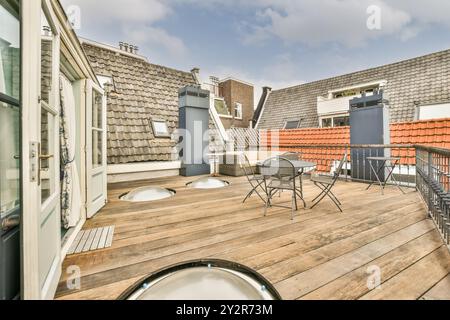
(433, 183)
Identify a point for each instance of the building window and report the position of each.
(238, 110)
(106, 81)
(160, 129)
(221, 107)
(337, 121)
(369, 90)
(341, 121)
(292, 124)
(327, 123)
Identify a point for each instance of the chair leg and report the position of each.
(294, 204)
(328, 193)
(335, 198)
(294, 195)
(336, 202)
(320, 194)
(248, 195)
(267, 204)
(319, 198)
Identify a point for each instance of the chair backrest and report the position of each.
(291, 156)
(279, 168)
(338, 171)
(244, 163)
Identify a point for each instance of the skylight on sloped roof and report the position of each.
(221, 107)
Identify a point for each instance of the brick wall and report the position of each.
(237, 92)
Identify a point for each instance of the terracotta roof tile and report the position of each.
(434, 133)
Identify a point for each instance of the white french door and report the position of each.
(96, 149)
(41, 227)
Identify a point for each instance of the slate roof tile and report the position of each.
(142, 91)
(424, 79)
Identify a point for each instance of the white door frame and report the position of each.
(97, 178)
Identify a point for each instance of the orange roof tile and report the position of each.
(433, 133)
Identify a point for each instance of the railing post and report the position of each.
(430, 179)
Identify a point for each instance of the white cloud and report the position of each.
(120, 11)
(135, 20)
(315, 22)
(152, 36)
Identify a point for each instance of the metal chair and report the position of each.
(281, 174)
(326, 184)
(256, 181)
(295, 156)
(292, 156)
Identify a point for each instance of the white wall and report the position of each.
(435, 111)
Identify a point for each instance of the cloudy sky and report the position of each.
(278, 43)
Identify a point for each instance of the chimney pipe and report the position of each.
(196, 73)
(121, 45)
(267, 89)
(125, 47)
(136, 49)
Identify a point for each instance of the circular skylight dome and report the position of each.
(208, 183)
(203, 280)
(145, 194)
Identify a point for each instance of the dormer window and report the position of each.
(105, 81)
(291, 124)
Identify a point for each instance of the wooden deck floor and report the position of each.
(321, 255)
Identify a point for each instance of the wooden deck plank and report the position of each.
(198, 224)
(440, 291)
(310, 280)
(355, 284)
(416, 280)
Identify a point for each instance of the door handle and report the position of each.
(41, 158)
(46, 156)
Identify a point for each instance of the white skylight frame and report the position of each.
(160, 128)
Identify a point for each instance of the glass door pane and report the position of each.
(97, 129)
(9, 158)
(9, 107)
(47, 152)
(9, 49)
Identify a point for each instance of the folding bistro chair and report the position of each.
(292, 156)
(256, 181)
(326, 184)
(282, 175)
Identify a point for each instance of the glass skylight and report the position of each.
(145, 194)
(208, 183)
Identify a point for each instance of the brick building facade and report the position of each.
(239, 100)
